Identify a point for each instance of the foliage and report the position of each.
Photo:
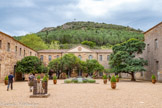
(104, 76)
(75, 80)
(33, 41)
(44, 79)
(38, 77)
(123, 57)
(54, 45)
(54, 77)
(104, 35)
(68, 81)
(113, 79)
(55, 65)
(6, 78)
(91, 80)
(153, 77)
(85, 80)
(117, 76)
(30, 64)
(89, 43)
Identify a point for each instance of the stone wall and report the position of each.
(10, 53)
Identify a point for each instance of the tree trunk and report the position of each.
(132, 74)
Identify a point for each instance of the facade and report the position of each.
(102, 56)
(153, 52)
(11, 51)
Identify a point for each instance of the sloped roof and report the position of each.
(152, 27)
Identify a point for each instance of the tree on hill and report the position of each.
(123, 59)
(33, 41)
(89, 43)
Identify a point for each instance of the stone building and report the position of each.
(153, 52)
(101, 55)
(11, 51)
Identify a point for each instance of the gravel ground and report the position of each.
(127, 95)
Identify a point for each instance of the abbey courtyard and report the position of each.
(78, 89)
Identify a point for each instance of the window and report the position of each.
(30, 53)
(90, 57)
(16, 49)
(8, 46)
(0, 44)
(157, 65)
(156, 43)
(57, 56)
(100, 57)
(80, 57)
(24, 53)
(108, 57)
(41, 58)
(148, 47)
(49, 58)
(20, 51)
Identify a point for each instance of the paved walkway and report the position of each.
(127, 95)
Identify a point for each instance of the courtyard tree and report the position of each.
(33, 41)
(30, 64)
(93, 66)
(124, 60)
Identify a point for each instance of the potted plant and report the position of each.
(153, 79)
(44, 82)
(6, 80)
(117, 78)
(105, 79)
(38, 78)
(113, 82)
(54, 79)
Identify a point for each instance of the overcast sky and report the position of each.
(19, 17)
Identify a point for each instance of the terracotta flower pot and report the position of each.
(153, 81)
(113, 85)
(54, 81)
(38, 80)
(43, 85)
(6, 82)
(117, 79)
(105, 81)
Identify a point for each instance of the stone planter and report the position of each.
(6, 82)
(113, 85)
(54, 81)
(105, 81)
(153, 81)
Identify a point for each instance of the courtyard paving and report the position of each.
(127, 95)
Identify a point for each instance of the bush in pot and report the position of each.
(75, 80)
(153, 79)
(113, 82)
(54, 79)
(6, 80)
(105, 79)
(38, 78)
(44, 82)
(117, 78)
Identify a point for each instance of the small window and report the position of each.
(24, 53)
(156, 43)
(20, 51)
(30, 53)
(0, 44)
(57, 56)
(16, 49)
(80, 57)
(90, 57)
(41, 58)
(49, 58)
(108, 57)
(148, 47)
(100, 57)
(8, 46)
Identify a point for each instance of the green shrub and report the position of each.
(91, 81)
(93, 76)
(6, 78)
(75, 80)
(54, 77)
(44, 79)
(113, 79)
(67, 81)
(85, 80)
(38, 77)
(117, 76)
(104, 76)
(153, 77)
